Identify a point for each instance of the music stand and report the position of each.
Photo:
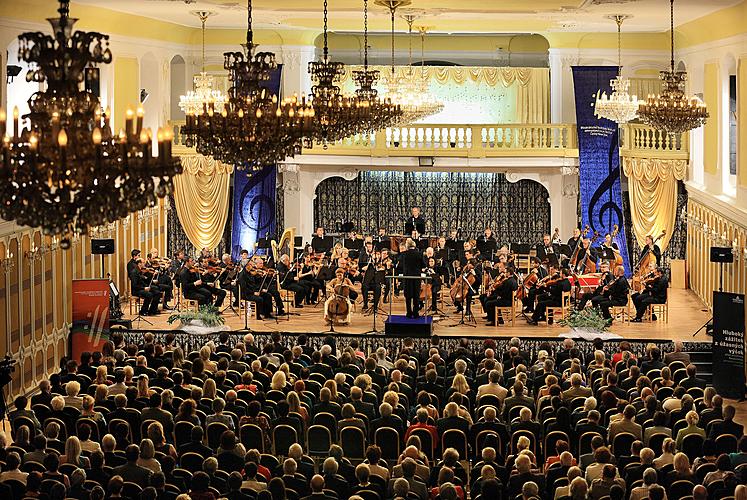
(608, 254)
(381, 245)
(565, 250)
(347, 227)
(521, 248)
(487, 247)
(328, 243)
(423, 243)
(552, 260)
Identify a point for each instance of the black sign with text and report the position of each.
(728, 344)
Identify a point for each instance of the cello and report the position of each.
(574, 257)
(463, 283)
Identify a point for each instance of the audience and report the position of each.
(204, 423)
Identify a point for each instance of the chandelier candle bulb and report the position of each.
(16, 130)
(33, 141)
(96, 136)
(140, 113)
(159, 139)
(129, 114)
(168, 136)
(3, 117)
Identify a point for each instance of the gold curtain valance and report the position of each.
(457, 74)
(652, 184)
(201, 196)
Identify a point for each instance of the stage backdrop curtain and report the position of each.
(201, 194)
(518, 212)
(652, 184)
(532, 84)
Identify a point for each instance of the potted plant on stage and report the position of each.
(587, 324)
(206, 319)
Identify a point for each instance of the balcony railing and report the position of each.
(489, 140)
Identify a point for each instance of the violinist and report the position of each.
(500, 292)
(310, 277)
(470, 268)
(132, 263)
(585, 252)
(206, 260)
(268, 283)
(372, 280)
(244, 257)
(552, 296)
(412, 265)
(290, 279)
(195, 288)
(596, 296)
(227, 278)
(386, 267)
(176, 266)
(538, 273)
(141, 285)
(163, 280)
(435, 283)
(248, 281)
(615, 293)
(547, 247)
(651, 247)
(654, 292)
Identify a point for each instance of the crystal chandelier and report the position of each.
(672, 111)
(620, 107)
(431, 105)
(67, 171)
(255, 127)
(203, 93)
(400, 90)
(382, 113)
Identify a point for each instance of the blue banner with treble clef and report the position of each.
(599, 159)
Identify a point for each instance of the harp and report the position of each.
(285, 245)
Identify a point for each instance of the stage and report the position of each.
(686, 314)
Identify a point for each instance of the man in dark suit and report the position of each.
(692, 380)
(524, 475)
(452, 420)
(367, 409)
(728, 425)
(195, 444)
(554, 473)
(546, 248)
(155, 412)
(591, 425)
(317, 490)
(490, 422)
(412, 266)
(292, 479)
(518, 398)
(387, 419)
(654, 361)
(140, 284)
(654, 293)
(616, 293)
(526, 423)
(131, 471)
(553, 297)
(325, 405)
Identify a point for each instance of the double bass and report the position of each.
(618, 255)
(574, 257)
(645, 262)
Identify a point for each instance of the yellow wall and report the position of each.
(126, 89)
(742, 121)
(721, 24)
(712, 98)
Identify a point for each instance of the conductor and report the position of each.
(416, 222)
(412, 264)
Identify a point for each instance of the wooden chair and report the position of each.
(560, 312)
(661, 311)
(501, 312)
(622, 313)
(189, 304)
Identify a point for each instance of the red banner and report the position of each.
(90, 316)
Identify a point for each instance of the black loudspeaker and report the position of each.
(722, 254)
(102, 247)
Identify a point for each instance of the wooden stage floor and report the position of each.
(686, 314)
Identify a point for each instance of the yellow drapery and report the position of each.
(652, 184)
(201, 196)
(532, 98)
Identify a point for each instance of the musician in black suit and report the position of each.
(176, 266)
(651, 247)
(412, 262)
(655, 292)
(532, 292)
(290, 280)
(502, 295)
(470, 267)
(616, 293)
(547, 247)
(373, 278)
(416, 222)
(132, 263)
(142, 287)
(553, 297)
(575, 239)
(596, 296)
(317, 241)
(194, 288)
(248, 287)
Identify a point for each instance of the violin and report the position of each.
(550, 280)
(497, 282)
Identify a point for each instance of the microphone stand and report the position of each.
(470, 317)
(246, 312)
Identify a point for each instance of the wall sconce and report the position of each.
(8, 263)
(35, 253)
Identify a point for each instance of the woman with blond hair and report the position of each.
(295, 406)
(99, 397)
(147, 457)
(692, 419)
(72, 454)
(278, 381)
(156, 435)
(143, 389)
(207, 363)
(460, 385)
(177, 357)
(209, 389)
(101, 374)
(667, 454)
(334, 396)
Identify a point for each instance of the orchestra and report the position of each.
(338, 269)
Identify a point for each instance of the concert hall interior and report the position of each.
(375, 174)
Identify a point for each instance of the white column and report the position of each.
(296, 59)
(562, 106)
(298, 199)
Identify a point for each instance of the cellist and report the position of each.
(338, 291)
(467, 278)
